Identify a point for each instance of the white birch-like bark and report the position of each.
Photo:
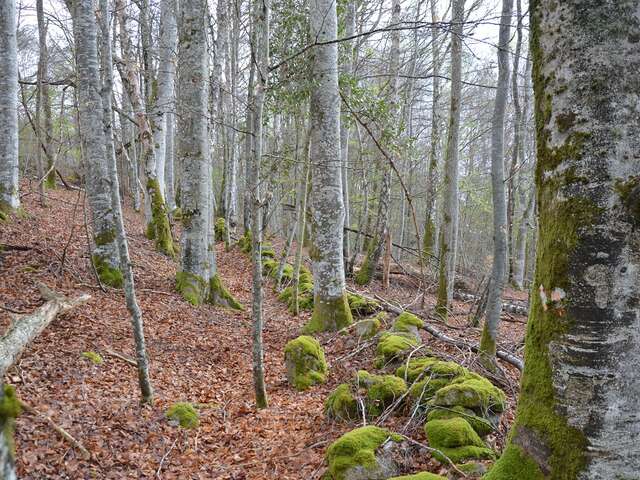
(137, 324)
(169, 167)
(9, 187)
(105, 255)
(521, 243)
(577, 416)
(330, 311)
(164, 103)
(261, 60)
(449, 228)
(192, 145)
(499, 268)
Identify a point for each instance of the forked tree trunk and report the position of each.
(9, 187)
(577, 415)
(330, 308)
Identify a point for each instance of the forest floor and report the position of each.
(197, 354)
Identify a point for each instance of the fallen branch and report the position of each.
(128, 360)
(61, 431)
(501, 354)
(27, 327)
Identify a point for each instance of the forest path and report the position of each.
(197, 354)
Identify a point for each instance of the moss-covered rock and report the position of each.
(482, 426)
(267, 251)
(471, 391)
(220, 229)
(393, 346)
(361, 306)
(269, 266)
(367, 328)
(408, 323)
(9, 409)
(381, 391)
(305, 295)
(93, 357)
(305, 362)
(420, 476)
(219, 295)
(192, 287)
(359, 455)
(184, 413)
(457, 440)
(342, 404)
(431, 367)
(244, 243)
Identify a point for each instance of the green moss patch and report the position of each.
(381, 391)
(93, 357)
(481, 425)
(456, 439)
(192, 287)
(342, 404)
(159, 228)
(472, 391)
(514, 463)
(306, 365)
(361, 306)
(184, 413)
(357, 450)
(407, 322)
(393, 346)
(420, 476)
(220, 229)
(429, 367)
(329, 315)
(219, 295)
(108, 274)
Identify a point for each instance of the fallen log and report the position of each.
(27, 327)
(501, 354)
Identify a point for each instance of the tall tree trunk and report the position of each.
(432, 168)
(248, 142)
(261, 60)
(376, 243)
(192, 148)
(164, 103)
(9, 186)
(137, 324)
(42, 96)
(449, 228)
(105, 255)
(498, 273)
(301, 226)
(169, 167)
(330, 309)
(521, 243)
(347, 70)
(577, 415)
(158, 227)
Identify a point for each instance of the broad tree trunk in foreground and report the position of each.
(192, 149)
(330, 308)
(137, 324)
(105, 255)
(499, 269)
(577, 415)
(261, 47)
(9, 195)
(449, 230)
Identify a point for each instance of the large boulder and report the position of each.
(366, 453)
(305, 362)
(471, 391)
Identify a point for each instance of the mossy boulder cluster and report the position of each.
(305, 362)
(460, 407)
(377, 393)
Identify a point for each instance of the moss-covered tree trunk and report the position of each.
(330, 308)
(9, 195)
(105, 254)
(449, 229)
(9, 409)
(577, 415)
(158, 227)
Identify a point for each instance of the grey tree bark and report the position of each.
(9, 186)
(330, 309)
(449, 229)
(137, 323)
(105, 255)
(577, 415)
(499, 269)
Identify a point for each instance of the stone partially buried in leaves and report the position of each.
(471, 391)
(408, 323)
(392, 346)
(184, 414)
(456, 440)
(305, 362)
(363, 454)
